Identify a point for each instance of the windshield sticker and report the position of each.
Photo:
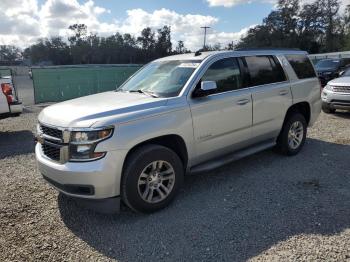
(189, 65)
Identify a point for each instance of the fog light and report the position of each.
(83, 148)
(99, 154)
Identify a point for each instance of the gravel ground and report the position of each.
(263, 208)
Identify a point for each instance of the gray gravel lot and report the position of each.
(264, 207)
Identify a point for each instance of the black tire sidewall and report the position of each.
(283, 141)
(327, 109)
(135, 165)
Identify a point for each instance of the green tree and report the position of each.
(10, 53)
(346, 20)
(314, 27)
(163, 44)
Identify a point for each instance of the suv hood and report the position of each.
(341, 81)
(86, 111)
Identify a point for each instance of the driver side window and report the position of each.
(226, 73)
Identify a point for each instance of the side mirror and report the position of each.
(207, 86)
(341, 73)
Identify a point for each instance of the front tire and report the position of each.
(327, 109)
(151, 179)
(293, 135)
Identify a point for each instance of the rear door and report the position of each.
(271, 95)
(222, 120)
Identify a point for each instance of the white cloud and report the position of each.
(24, 21)
(230, 3)
(183, 27)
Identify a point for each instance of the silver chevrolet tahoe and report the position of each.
(180, 114)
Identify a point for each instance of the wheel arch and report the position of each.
(303, 108)
(171, 141)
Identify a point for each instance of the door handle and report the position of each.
(242, 102)
(283, 92)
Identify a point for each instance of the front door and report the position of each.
(222, 120)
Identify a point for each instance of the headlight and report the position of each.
(90, 136)
(83, 143)
(328, 87)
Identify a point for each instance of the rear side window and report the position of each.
(301, 65)
(226, 74)
(264, 70)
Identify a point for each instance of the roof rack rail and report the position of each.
(267, 49)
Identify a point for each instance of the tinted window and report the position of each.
(226, 74)
(264, 70)
(328, 64)
(301, 65)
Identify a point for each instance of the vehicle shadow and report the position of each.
(343, 114)
(16, 143)
(231, 214)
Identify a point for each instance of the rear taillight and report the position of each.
(7, 89)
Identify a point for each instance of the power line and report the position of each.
(205, 34)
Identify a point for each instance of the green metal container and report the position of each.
(60, 83)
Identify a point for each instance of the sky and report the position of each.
(24, 21)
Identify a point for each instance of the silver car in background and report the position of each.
(336, 94)
(180, 114)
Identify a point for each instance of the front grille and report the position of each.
(341, 89)
(52, 151)
(54, 132)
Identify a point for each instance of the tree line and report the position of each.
(83, 48)
(315, 27)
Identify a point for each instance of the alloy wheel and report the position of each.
(156, 181)
(295, 135)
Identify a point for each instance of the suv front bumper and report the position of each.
(336, 100)
(98, 179)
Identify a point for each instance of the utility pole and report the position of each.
(205, 34)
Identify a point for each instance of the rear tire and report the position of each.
(327, 109)
(293, 135)
(151, 179)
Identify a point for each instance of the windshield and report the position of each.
(329, 63)
(161, 78)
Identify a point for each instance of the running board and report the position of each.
(226, 159)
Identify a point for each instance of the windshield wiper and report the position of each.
(144, 92)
